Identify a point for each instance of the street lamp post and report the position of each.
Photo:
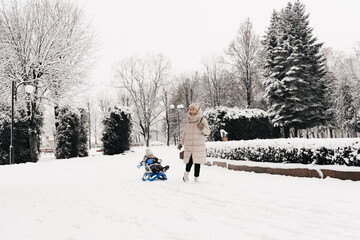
(179, 108)
(12, 123)
(172, 107)
(28, 89)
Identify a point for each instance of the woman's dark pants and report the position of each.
(197, 167)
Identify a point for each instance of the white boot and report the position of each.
(186, 176)
(196, 179)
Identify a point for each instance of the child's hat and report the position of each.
(149, 152)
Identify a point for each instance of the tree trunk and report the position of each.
(296, 132)
(248, 99)
(95, 130)
(33, 138)
(146, 134)
(167, 119)
(317, 132)
(56, 114)
(286, 132)
(312, 133)
(88, 105)
(168, 129)
(147, 138)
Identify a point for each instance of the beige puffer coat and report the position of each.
(193, 139)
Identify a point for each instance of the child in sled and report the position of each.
(152, 163)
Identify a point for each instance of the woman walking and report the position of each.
(193, 140)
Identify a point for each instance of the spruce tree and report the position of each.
(67, 134)
(71, 133)
(116, 133)
(294, 66)
(270, 42)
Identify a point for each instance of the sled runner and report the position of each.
(154, 176)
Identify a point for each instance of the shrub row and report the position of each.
(349, 156)
(240, 124)
(21, 136)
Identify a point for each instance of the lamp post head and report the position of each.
(29, 89)
(180, 106)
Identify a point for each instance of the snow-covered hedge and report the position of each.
(318, 151)
(21, 136)
(240, 124)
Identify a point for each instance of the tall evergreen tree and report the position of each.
(294, 68)
(270, 42)
(67, 134)
(116, 133)
(71, 133)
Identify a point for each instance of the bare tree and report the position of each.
(123, 99)
(166, 106)
(218, 82)
(344, 86)
(355, 71)
(189, 89)
(47, 44)
(143, 79)
(243, 53)
(92, 111)
(104, 103)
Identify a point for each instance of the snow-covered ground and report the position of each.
(103, 197)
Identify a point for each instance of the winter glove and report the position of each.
(179, 146)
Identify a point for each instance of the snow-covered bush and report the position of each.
(117, 130)
(240, 124)
(22, 152)
(305, 151)
(71, 133)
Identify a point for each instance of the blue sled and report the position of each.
(154, 176)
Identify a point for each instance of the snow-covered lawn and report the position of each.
(314, 143)
(103, 197)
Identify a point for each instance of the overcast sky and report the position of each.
(188, 30)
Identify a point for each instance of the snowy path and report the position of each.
(103, 197)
